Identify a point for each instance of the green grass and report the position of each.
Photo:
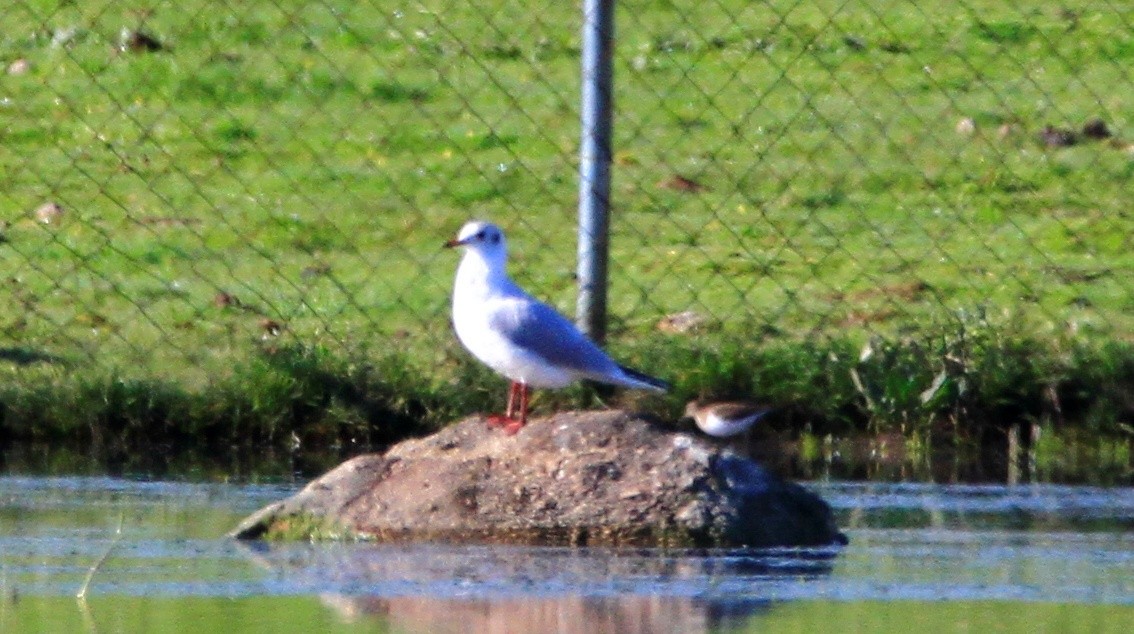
(310, 161)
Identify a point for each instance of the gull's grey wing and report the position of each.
(537, 328)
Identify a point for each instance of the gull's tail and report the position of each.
(643, 381)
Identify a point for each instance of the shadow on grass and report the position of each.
(27, 356)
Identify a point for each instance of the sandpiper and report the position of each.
(723, 419)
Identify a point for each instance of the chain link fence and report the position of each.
(181, 181)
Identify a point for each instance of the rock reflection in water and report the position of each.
(438, 588)
(565, 615)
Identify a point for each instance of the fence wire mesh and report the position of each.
(183, 180)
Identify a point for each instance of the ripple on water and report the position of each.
(908, 541)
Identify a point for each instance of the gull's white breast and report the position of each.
(474, 308)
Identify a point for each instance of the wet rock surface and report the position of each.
(579, 478)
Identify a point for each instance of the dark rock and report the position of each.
(1052, 136)
(1096, 129)
(579, 478)
(138, 41)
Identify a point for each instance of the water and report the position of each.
(941, 558)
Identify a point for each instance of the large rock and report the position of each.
(581, 478)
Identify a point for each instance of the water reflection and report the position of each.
(932, 554)
(566, 615)
(438, 588)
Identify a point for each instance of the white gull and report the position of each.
(518, 336)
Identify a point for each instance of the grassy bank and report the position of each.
(252, 205)
(290, 406)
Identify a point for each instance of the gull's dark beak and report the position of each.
(452, 244)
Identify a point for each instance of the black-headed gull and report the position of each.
(724, 419)
(518, 336)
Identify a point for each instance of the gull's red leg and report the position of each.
(512, 389)
(502, 420)
(514, 425)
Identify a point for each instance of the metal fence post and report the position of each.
(594, 166)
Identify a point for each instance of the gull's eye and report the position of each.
(480, 235)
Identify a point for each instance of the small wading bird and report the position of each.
(519, 337)
(725, 419)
